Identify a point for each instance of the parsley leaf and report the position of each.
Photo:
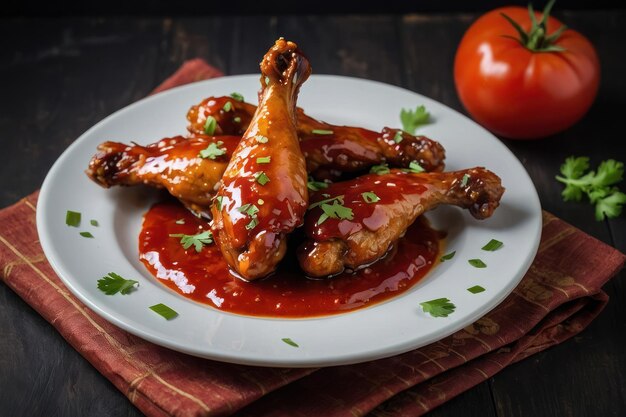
(262, 178)
(477, 263)
(335, 211)
(598, 186)
(380, 169)
(94, 223)
(440, 307)
(447, 256)
(164, 311)
(72, 218)
(476, 289)
(197, 240)
(370, 197)
(414, 168)
(213, 150)
(316, 185)
(492, 245)
(237, 96)
(289, 342)
(464, 180)
(210, 125)
(412, 119)
(113, 283)
(86, 234)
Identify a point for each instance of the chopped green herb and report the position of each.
(397, 138)
(440, 307)
(316, 185)
(180, 221)
(380, 169)
(321, 132)
(370, 197)
(237, 119)
(464, 180)
(218, 202)
(261, 178)
(598, 186)
(249, 209)
(94, 223)
(197, 240)
(236, 96)
(253, 223)
(213, 150)
(475, 289)
(267, 80)
(164, 311)
(261, 139)
(210, 125)
(327, 200)
(335, 211)
(412, 119)
(263, 159)
(228, 106)
(289, 342)
(72, 218)
(477, 263)
(414, 167)
(86, 234)
(114, 283)
(447, 256)
(492, 245)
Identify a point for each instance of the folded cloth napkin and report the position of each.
(559, 296)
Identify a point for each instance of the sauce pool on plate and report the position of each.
(205, 277)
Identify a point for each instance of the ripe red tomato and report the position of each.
(518, 92)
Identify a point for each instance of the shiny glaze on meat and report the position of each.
(346, 149)
(335, 243)
(172, 163)
(253, 242)
(205, 277)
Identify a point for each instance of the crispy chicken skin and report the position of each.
(334, 244)
(172, 163)
(263, 194)
(327, 147)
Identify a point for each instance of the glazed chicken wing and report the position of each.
(263, 194)
(188, 169)
(359, 220)
(327, 147)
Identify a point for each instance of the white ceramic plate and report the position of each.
(386, 329)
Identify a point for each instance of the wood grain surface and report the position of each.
(61, 76)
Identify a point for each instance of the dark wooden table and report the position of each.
(61, 76)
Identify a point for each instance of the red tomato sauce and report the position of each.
(205, 277)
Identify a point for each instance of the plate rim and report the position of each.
(303, 361)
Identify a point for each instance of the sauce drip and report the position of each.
(205, 277)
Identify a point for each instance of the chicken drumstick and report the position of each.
(263, 194)
(360, 219)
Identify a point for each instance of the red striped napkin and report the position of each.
(559, 296)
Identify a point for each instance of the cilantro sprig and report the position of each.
(114, 283)
(333, 208)
(316, 185)
(598, 186)
(440, 307)
(197, 241)
(213, 150)
(412, 119)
